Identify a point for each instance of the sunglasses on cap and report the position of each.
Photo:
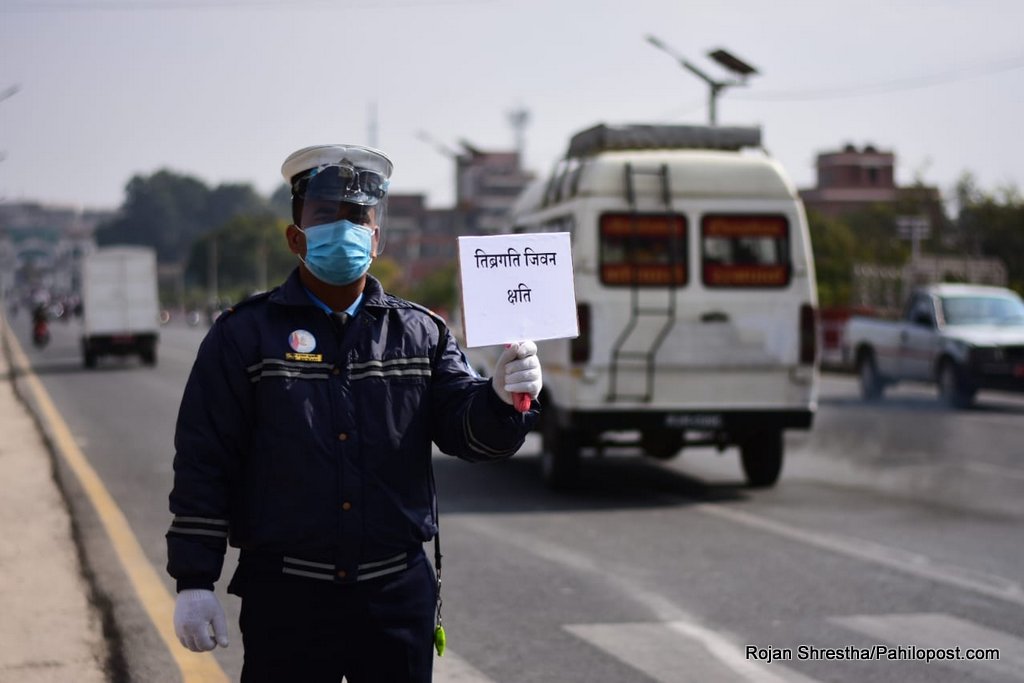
(341, 182)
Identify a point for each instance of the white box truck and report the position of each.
(695, 294)
(120, 307)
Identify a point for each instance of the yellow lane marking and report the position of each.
(155, 598)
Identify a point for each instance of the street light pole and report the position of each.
(734, 64)
(714, 88)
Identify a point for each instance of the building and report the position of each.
(852, 180)
(423, 240)
(42, 245)
(486, 186)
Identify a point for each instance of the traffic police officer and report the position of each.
(304, 438)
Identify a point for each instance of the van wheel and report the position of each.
(560, 455)
(954, 388)
(149, 356)
(761, 457)
(661, 444)
(89, 359)
(871, 385)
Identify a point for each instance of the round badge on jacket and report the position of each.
(301, 341)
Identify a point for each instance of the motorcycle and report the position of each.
(40, 333)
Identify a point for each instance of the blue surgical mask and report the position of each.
(338, 253)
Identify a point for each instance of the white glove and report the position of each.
(517, 371)
(195, 610)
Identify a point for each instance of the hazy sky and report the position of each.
(225, 89)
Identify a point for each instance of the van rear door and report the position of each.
(739, 311)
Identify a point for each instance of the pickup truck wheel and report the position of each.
(761, 457)
(871, 385)
(954, 387)
(560, 455)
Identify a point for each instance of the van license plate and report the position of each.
(693, 421)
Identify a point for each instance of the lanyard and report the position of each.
(439, 635)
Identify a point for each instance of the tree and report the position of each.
(169, 211)
(229, 200)
(833, 243)
(438, 291)
(163, 211)
(866, 236)
(989, 224)
(389, 273)
(992, 224)
(281, 202)
(252, 254)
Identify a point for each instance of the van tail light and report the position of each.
(579, 348)
(808, 334)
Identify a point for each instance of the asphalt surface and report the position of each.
(895, 525)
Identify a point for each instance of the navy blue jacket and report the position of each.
(299, 438)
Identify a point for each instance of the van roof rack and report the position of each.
(606, 138)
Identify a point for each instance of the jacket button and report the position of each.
(343, 437)
(336, 371)
(342, 574)
(346, 506)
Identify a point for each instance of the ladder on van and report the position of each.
(646, 358)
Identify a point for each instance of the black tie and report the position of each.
(339, 320)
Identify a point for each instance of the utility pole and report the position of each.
(263, 263)
(372, 125)
(519, 118)
(724, 59)
(211, 273)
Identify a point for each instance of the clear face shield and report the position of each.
(334, 192)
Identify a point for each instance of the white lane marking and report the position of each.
(994, 470)
(454, 669)
(658, 651)
(941, 631)
(723, 646)
(990, 585)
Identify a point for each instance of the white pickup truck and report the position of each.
(961, 337)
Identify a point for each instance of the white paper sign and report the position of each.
(517, 287)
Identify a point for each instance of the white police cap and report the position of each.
(320, 155)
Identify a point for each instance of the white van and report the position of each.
(696, 298)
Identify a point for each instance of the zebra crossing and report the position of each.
(684, 652)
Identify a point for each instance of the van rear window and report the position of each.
(645, 250)
(745, 251)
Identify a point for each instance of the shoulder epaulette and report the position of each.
(259, 296)
(437, 318)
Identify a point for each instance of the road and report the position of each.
(896, 524)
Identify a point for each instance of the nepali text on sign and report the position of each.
(517, 287)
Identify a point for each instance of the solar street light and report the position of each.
(725, 59)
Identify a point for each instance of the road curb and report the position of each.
(57, 621)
